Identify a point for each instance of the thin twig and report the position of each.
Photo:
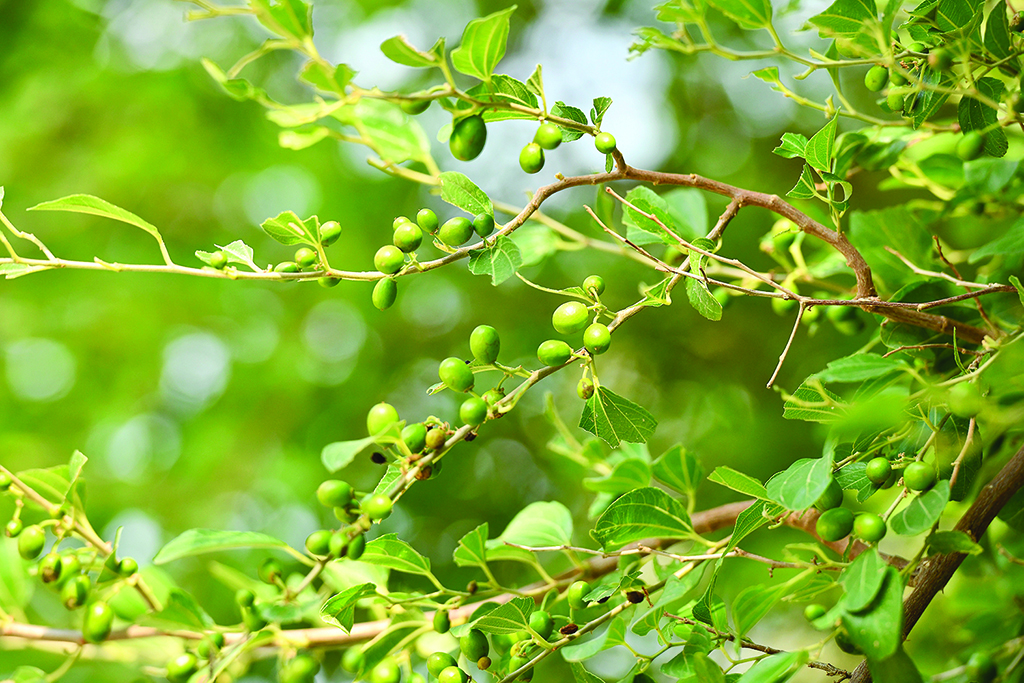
(785, 351)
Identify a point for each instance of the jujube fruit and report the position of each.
(380, 417)
(270, 571)
(485, 343)
(895, 100)
(334, 493)
(378, 506)
(327, 281)
(492, 396)
(570, 318)
(455, 374)
(127, 566)
(940, 59)
(31, 541)
(436, 438)
(442, 622)
(548, 136)
(389, 259)
(605, 143)
(97, 622)
(75, 592)
(483, 224)
(338, 543)
(554, 352)
(384, 293)
(878, 470)
(468, 138)
(452, 674)
(919, 476)
(531, 158)
(319, 542)
(300, 669)
(814, 612)
(473, 411)
(181, 667)
(415, 107)
(352, 660)
(875, 78)
(329, 233)
(474, 644)
(49, 568)
(594, 284)
(218, 259)
(832, 497)
(835, 524)
(427, 220)
(408, 237)
(286, 267)
(456, 231)
(516, 663)
(5, 482)
(971, 145)
(540, 621)
(356, 547)
(438, 662)
(414, 437)
(597, 338)
(305, 257)
(869, 527)
(14, 528)
(386, 672)
(585, 388)
(245, 597)
(575, 594)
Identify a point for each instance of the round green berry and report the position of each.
(210, 645)
(784, 306)
(570, 318)
(286, 267)
(98, 620)
(438, 662)
(897, 79)
(869, 527)
(327, 282)
(13, 528)
(516, 663)
(376, 507)
(427, 220)
(540, 621)
(832, 497)
(299, 669)
(452, 674)
(339, 542)
(455, 374)
(415, 107)
(75, 592)
(594, 284)
(245, 597)
(835, 524)
(442, 622)
(415, 437)
(468, 138)
(31, 542)
(384, 293)
(270, 571)
(483, 224)
(218, 259)
(531, 158)
(846, 644)
(474, 644)
(492, 396)
(127, 566)
(875, 78)
(575, 594)
(485, 343)
(408, 237)
(305, 257)
(877, 471)
(585, 388)
(436, 438)
(5, 482)
(389, 259)
(920, 48)
(814, 612)
(50, 567)
(597, 338)
(456, 231)
(356, 547)
(605, 143)
(380, 417)
(980, 668)
(919, 476)
(971, 145)
(319, 542)
(940, 59)
(352, 660)
(329, 233)
(554, 352)
(334, 493)
(386, 672)
(473, 411)
(182, 667)
(895, 100)
(548, 136)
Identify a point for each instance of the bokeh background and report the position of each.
(205, 403)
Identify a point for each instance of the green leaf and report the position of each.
(738, 481)
(536, 82)
(1010, 244)
(501, 260)
(877, 629)
(200, 541)
(794, 146)
(928, 102)
(974, 115)
(820, 149)
(392, 475)
(851, 24)
(896, 667)
(301, 139)
(11, 271)
(472, 549)
(997, 33)
(642, 230)
(862, 580)
(287, 228)
(854, 477)
(399, 49)
(563, 110)
(391, 552)
(1015, 281)
(483, 45)
(946, 542)
(924, 510)
(84, 203)
(337, 455)
(804, 188)
(813, 404)
(801, 484)
(599, 109)
(513, 616)
(391, 133)
(285, 17)
(776, 668)
(751, 519)
(581, 675)
(460, 191)
(898, 228)
(859, 367)
(679, 469)
(628, 475)
(752, 604)
(657, 295)
(326, 78)
(702, 300)
(583, 650)
(749, 14)
(641, 513)
(540, 524)
(614, 418)
(180, 610)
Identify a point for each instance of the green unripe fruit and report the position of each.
(917, 47)
(31, 542)
(492, 396)
(98, 620)
(328, 282)
(452, 674)
(831, 498)
(127, 566)
(389, 259)
(483, 224)
(5, 482)
(455, 374)
(305, 257)
(784, 306)
(352, 660)
(965, 399)
(554, 352)
(319, 543)
(339, 541)
(378, 506)
(814, 612)
(329, 233)
(181, 667)
(474, 644)
(456, 231)
(875, 78)
(75, 592)
(585, 388)
(468, 138)
(286, 267)
(971, 145)
(380, 417)
(300, 669)
(408, 237)
(895, 101)
(399, 222)
(919, 476)
(940, 59)
(13, 528)
(69, 567)
(438, 662)
(980, 668)
(597, 338)
(897, 79)
(386, 672)
(841, 313)
(209, 645)
(485, 343)
(570, 318)
(442, 622)
(436, 438)
(334, 493)
(834, 524)
(877, 471)
(516, 663)
(356, 547)
(605, 143)
(869, 527)
(427, 220)
(531, 158)
(218, 259)
(541, 622)
(484, 663)
(594, 284)
(473, 411)
(253, 620)
(846, 644)
(415, 437)
(575, 594)
(50, 568)
(384, 294)
(270, 571)
(415, 107)
(548, 136)
(245, 597)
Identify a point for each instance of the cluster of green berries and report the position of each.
(573, 317)
(418, 437)
(408, 236)
(457, 375)
(306, 258)
(547, 137)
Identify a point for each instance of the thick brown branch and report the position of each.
(937, 571)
